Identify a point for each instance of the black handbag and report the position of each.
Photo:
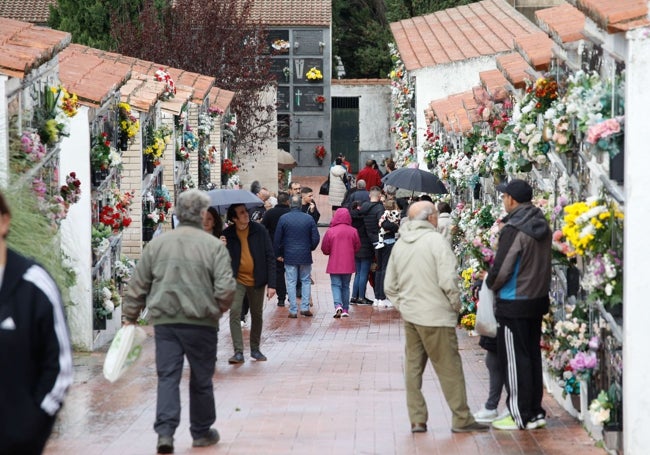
(325, 187)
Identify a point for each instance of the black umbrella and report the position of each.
(222, 199)
(413, 179)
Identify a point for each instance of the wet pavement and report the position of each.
(330, 386)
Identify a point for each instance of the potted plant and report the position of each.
(129, 125)
(319, 153)
(314, 75)
(100, 158)
(320, 101)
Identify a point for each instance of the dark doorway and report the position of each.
(345, 129)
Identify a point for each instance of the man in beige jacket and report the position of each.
(421, 282)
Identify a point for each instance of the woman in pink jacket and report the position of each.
(340, 243)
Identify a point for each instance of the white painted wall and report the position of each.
(75, 230)
(636, 288)
(4, 133)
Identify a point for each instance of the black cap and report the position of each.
(518, 189)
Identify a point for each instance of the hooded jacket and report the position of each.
(340, 243)
(421, 278)
(337, 185)
(36, 357)
(521, 274)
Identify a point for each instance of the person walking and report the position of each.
(340, 243)
(296, 236)
(253, 265)
(270, 222)
(371, 212)
(338, 184)
(185, 280)
(389, 224)
(362, 258)
(444, 220)
(421, 282)
(36, 359)
(370, 175)
(520, 278)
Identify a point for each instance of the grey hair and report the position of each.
(390, 189)
(190, 206)
(361, 184)
(424, 213)
(295, 201)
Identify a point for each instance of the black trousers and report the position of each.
(520, 360)
(280, 284)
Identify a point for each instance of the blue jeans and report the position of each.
(340, 283)
(360, 277)
(291, 274)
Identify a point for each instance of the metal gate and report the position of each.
(345, 129)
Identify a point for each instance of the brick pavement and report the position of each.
(330, 386)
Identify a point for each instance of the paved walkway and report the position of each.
(330, 386)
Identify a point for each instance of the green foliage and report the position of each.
(32, 236)
(89, 21)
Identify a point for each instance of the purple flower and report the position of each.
(583, 361)
(594, 343)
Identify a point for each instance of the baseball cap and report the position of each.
(518, 189)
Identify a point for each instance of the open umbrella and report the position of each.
(413, 179)
(222, 199)
(286, 160)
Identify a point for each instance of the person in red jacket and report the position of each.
(370, 175)
(340, 243)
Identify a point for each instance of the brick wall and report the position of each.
(131, 180)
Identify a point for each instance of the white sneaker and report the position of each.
(486, 415)
(387, 304)
(377, 302)
(379, 246)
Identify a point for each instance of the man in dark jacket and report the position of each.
(359, 193)
(270, 222)
(296, 236)
(36, 358)
(520, 278)
(253, 265)
(307, 204)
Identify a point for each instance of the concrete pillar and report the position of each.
(636, 399)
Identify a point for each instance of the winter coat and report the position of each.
(371, 176)
(521, 273)
(355, 194)
(337, 185)
(296, 236)
(340, 243)
(272, 217)
(421, 278)
(372, 212)
(36, 357)
(183, 277)
(366, 251)
(261, 249)
(445, 225)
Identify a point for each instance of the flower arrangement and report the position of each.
(603, 278)
(286, 71)
(100, 152)
(124, 268)
(69, 101)
(319, 99)
(71, 191)
(228, 168)
(118, 215)
(190, 141)
(170, 87)
(100, 233)
(433, 147)
(129, 125)
(32, 148)
(206, 124)
(214, 111)
(319, 153)
(156, 207)
(107, 298)
(403, 119)
(157, 142)
(607, 135)
(468, 321)
(314, 74)
(588, 225)
(182, 154)
(51, 118)
(281, 45)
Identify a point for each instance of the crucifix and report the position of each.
(300, 66)
(298, 122)
(298, 95)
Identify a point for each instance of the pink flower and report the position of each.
(603, 129)
(557, 236)
(583, 361)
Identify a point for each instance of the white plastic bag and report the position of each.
(486, 323)
(125, 349)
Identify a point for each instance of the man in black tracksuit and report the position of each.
(520, 278)
(35, 354)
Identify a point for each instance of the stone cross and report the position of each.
(298, 95)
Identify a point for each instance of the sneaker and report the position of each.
(281, 303)
(210, 439)
(387, 304)
(379, 246)
(536, 422)
(418, 428)
(165, 444)
(471, 428)
(237, 358)
(378, 302)
(338, 312)
(365, 301)
(307, 313)
(345, 314)
(486, 415)
(506, 423)
(293, 315)
(354, 301)
(257, 355)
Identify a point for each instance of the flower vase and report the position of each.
(320, 161)
(99, 323)
(575, 401)
(148, 165)
(320, 106)
(617, 166)
(96, 177)
(613, 437)
(123, 142)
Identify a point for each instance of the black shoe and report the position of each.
(418, 428)
(365, 301)
(165, 444)
(210, 439)
(354, 300)
(280, 303)
(237, 358)
(293, 315)
(257, 355)
(307, 313)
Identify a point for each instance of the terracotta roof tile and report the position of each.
(564, 23)
(35, 11)
(317, 13)
(175, 104)
(24, 46)
(360, 81)
(454, 112)
(495, 84)
(484, 28)
(515, 69)
(141, 91)
(616, 16)
(221, 98)
(536, 48)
